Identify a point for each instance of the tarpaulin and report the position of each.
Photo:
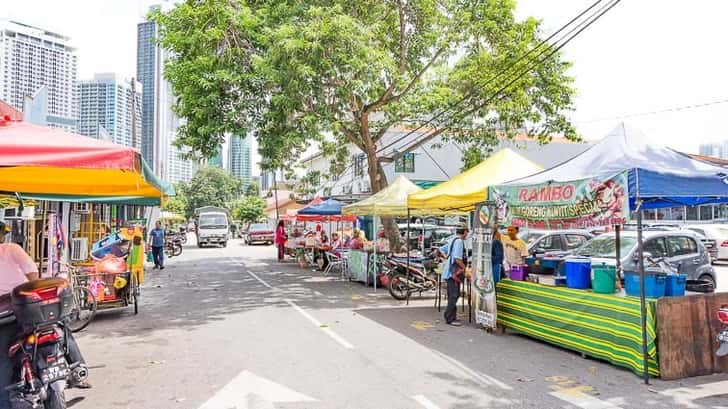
(390, 201)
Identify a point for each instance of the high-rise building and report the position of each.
(159, 123)
(105, 109)
(30, 58)
(240, 159)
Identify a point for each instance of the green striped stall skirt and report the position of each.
(598, 325)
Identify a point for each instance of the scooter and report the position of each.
(42, 371)
(419, 276)
(723, 334)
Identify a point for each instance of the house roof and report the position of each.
(284, 198)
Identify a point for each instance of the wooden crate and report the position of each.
(686, 331)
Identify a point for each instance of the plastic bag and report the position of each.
(111, 265)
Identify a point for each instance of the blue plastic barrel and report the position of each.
(654, 284)
(675, 285)
(578, 273)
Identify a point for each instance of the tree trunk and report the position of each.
(378, 180)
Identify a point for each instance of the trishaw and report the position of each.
(113, 281)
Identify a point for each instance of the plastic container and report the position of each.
(675, 285)
(578, 273)
(518, 273)
(604, 278)
(42, 302)
(654, 284)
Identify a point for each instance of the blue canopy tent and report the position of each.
(329, 207)
(658, 177)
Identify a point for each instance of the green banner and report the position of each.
(597, 201)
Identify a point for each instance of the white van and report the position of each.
(212, 228)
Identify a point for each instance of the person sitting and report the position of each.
(357, 243)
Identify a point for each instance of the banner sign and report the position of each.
(483, 285)
(597, 201)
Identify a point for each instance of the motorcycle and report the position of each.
(419, 276)
(173, 245)
(723, 334)
(41, 309)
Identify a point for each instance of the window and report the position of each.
(682, 246)
(656, 247)
(574, 241)
(405, 164)
(359, 165)
(550, 243)
(706, 212)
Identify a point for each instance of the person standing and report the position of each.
(454, 273)
(514, 248)
(496, 256)
(281, 240)
(156, 239)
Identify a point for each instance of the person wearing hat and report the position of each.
(16, 267)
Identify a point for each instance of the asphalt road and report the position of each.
(232, 329)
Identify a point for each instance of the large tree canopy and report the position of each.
(296, 70)
(210, 186)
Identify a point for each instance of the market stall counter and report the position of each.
(597, 325)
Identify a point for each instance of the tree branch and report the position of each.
(419, 75)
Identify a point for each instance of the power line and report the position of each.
(661, 111)
(541, 44)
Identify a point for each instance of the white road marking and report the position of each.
(582, 400)
(426, 403)
(480, 377)
(249, 391)
(686, 395)
(328, 331)
(259, 279)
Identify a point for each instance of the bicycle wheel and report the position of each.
(84, 309)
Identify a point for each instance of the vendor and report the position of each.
(514, 248)
(357, 243)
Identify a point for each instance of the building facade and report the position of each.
(240, 158)
(106, 106)
(32, 58)
(159, 123)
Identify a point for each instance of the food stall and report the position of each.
(328, 211)
(601, 187)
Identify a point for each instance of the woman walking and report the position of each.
(281, 240)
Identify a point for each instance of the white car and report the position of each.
(718, 233)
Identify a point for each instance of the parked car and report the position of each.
(540, 242)
(259, 233)
(714, 237)
(435, 237)
(681, 248)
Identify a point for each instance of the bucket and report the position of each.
(654, 284)
(675, 285)
(578, 273)
(603, 279)
(518, 273)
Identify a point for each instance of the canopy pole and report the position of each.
(618, 253)
(407, 244)
(375, 252)
(641, 267)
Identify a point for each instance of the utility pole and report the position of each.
(133, 113)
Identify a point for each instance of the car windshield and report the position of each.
(530, 237)
(606, 247)
(213, 222)
(259, 226)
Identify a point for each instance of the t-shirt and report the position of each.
(157, 237)
(457, 252)
(514, 251)
(15, 263)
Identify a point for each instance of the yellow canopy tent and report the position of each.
(390, 201)
(461, 193)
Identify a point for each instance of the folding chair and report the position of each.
(334, 262)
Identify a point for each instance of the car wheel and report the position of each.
(709, 278)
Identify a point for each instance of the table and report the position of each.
(602, 326)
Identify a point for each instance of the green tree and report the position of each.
(308, 184)
(178, 203)
(297, 70)
(248, 209)
(211, 186)
(252, 189)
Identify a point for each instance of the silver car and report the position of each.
(681, 248)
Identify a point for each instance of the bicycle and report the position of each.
(84, 301)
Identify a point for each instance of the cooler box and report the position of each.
(675, 285)
(518, 272)
(578, 273)
(654, 284)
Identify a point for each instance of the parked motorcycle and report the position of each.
(723, 334)
(418, 277)
(42, 372)
(173, 245)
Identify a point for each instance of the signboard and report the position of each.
(483, 285)
(597, 201)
